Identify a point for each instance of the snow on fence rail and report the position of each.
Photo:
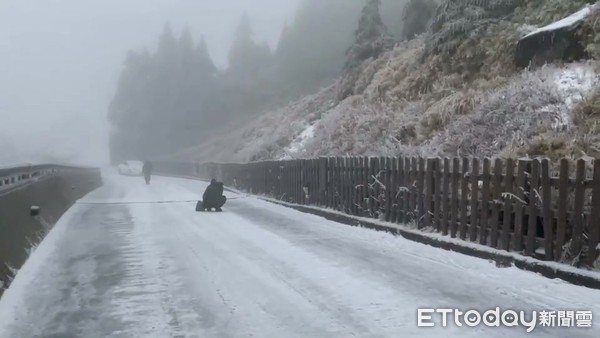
(514, 205)
(13, 177)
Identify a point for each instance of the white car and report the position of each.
(131, 168)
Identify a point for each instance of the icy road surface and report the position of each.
(255, 270)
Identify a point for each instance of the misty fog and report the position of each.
(60, 62)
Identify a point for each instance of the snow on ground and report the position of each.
(575, 81)
(255, 270)
(298, 144)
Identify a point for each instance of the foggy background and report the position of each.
(60, 62)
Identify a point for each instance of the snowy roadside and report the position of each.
(552, 270)
(549, 269)
(257, 269)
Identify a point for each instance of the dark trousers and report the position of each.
(214, 204)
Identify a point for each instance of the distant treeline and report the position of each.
(173, 97)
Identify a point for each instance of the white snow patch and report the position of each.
(576, 81)
(15, 297)
(298, 144)
(573, 82)
(566, 22)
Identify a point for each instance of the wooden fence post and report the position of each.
(343, 184)
(379, 188)
(485, 201)
(454, 211)
(332, 181)
(563, 203)
(446, 196)
(508, 204)
(407, 184)
(316, 185)
(392, 188)
(578, 207)
(497, 194)
(474, 200)
(322, 181)
(428, 196)
(594, 224)
(388, 189)
(547, 210)
(437, 194)
(339, 183)
(355, 185)
(420, 192)
(370, 186)
(400, 184)
(348, 186)
(519, 206)
(464, 197)
(533, 208)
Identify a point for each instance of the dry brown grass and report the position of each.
(586, 114)
(556, 146)
(549, 145)
(590, 33)
(439, 114)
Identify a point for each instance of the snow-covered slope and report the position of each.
(474, 104)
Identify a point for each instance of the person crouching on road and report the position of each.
(213, 196)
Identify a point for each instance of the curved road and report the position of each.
(113, 269)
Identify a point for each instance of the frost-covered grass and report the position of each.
(508, 120)
(529, 105)
(471, 103)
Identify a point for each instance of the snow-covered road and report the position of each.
(255, 270)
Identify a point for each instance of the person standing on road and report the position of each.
(147, 170)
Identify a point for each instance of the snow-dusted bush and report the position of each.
(529, 105)
(586, 114)
(590, 33)
(525, 107)
(360, 128)
(442, 112)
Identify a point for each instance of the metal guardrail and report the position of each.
(13, 177)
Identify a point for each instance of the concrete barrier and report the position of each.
(54, 190)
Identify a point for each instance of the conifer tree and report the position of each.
(371, 38)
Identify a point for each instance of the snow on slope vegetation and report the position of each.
(470, 102)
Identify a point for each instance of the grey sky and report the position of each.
(60, 60)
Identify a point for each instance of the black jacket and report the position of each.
(213, 192)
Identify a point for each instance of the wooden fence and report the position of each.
(550, 211)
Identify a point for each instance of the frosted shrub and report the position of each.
(525, 107)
